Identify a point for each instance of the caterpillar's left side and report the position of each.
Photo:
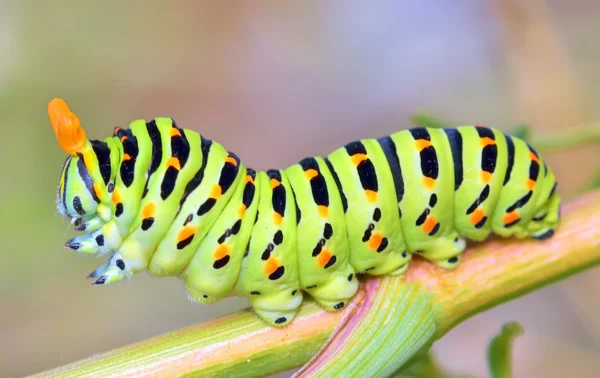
(158, 197)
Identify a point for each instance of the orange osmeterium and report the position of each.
(69, 133)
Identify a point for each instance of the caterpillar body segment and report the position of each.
(324, 266)
(164, 199)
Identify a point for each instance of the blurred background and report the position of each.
(276, 82)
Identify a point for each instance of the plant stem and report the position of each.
(241, 345)
(567, 138)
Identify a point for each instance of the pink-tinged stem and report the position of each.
(239, 344)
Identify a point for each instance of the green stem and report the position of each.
(240, 345)
(567, 138)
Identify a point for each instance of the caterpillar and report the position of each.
(165, 199)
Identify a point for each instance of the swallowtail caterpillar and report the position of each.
(164, 199)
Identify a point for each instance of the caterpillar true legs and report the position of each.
(160, 198)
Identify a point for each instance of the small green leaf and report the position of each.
(522, 131)
(499, 351)
(424, 119)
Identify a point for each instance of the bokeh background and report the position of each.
(276, 82)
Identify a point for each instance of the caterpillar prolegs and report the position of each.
(161, 198)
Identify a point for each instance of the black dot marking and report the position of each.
(328, 231)
(481, 222)
(404, 254)
(322, 242)
(280, 320)
(294, 292)
(367, 235)
(540, 218)
(255, 293)
(433, 200)
(78, 223)
(311, 287)
(111, 187)
(512, 223)
(422, 217)
(453, 260)
(317, 250)
(419, 251)
(100, 240)
(383, 245)
(77, 205)
(222, 238)
(236, 227)
(147, 223)
(204, 296)
(331, 261)
(120, 264)
(350, 277)
(371, 226)
(246, 253)
(206, 206)
(221, 262)
(546, 235)
(278, 238)
(339, 305)
(188, 219)
(266, 254)
(436, 228)
(456, 239)
(377, 215)
(277, 274)
(119, 209)
(371, 268)
(185, 242)
(72, 245)
(100, 281)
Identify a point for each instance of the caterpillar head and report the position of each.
(81, 184)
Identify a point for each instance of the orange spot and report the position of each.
(241, 211)
(186, 232)
(67, 128)
(358, 158)
(510, 217)
(174, 132)
(123, 138)
(371, 195)
(422, 144)
(173, 162)
(221, 251)
(274, 183)
(248, 179)
(533, 157)
(485, 176)
(126, 157)
(116, 130)
(323, 257)
(530, 184)
(216, 191)
(477, 216)
(231, 160)
(271, 265)
(116, 197)
(375, 240)
(97, 190)
(149, 210)
(277, 219)
(323, 211)
(486, 142)
(428, 183)
(429, 224)
(309, 174)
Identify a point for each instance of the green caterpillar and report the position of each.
(159, 198)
